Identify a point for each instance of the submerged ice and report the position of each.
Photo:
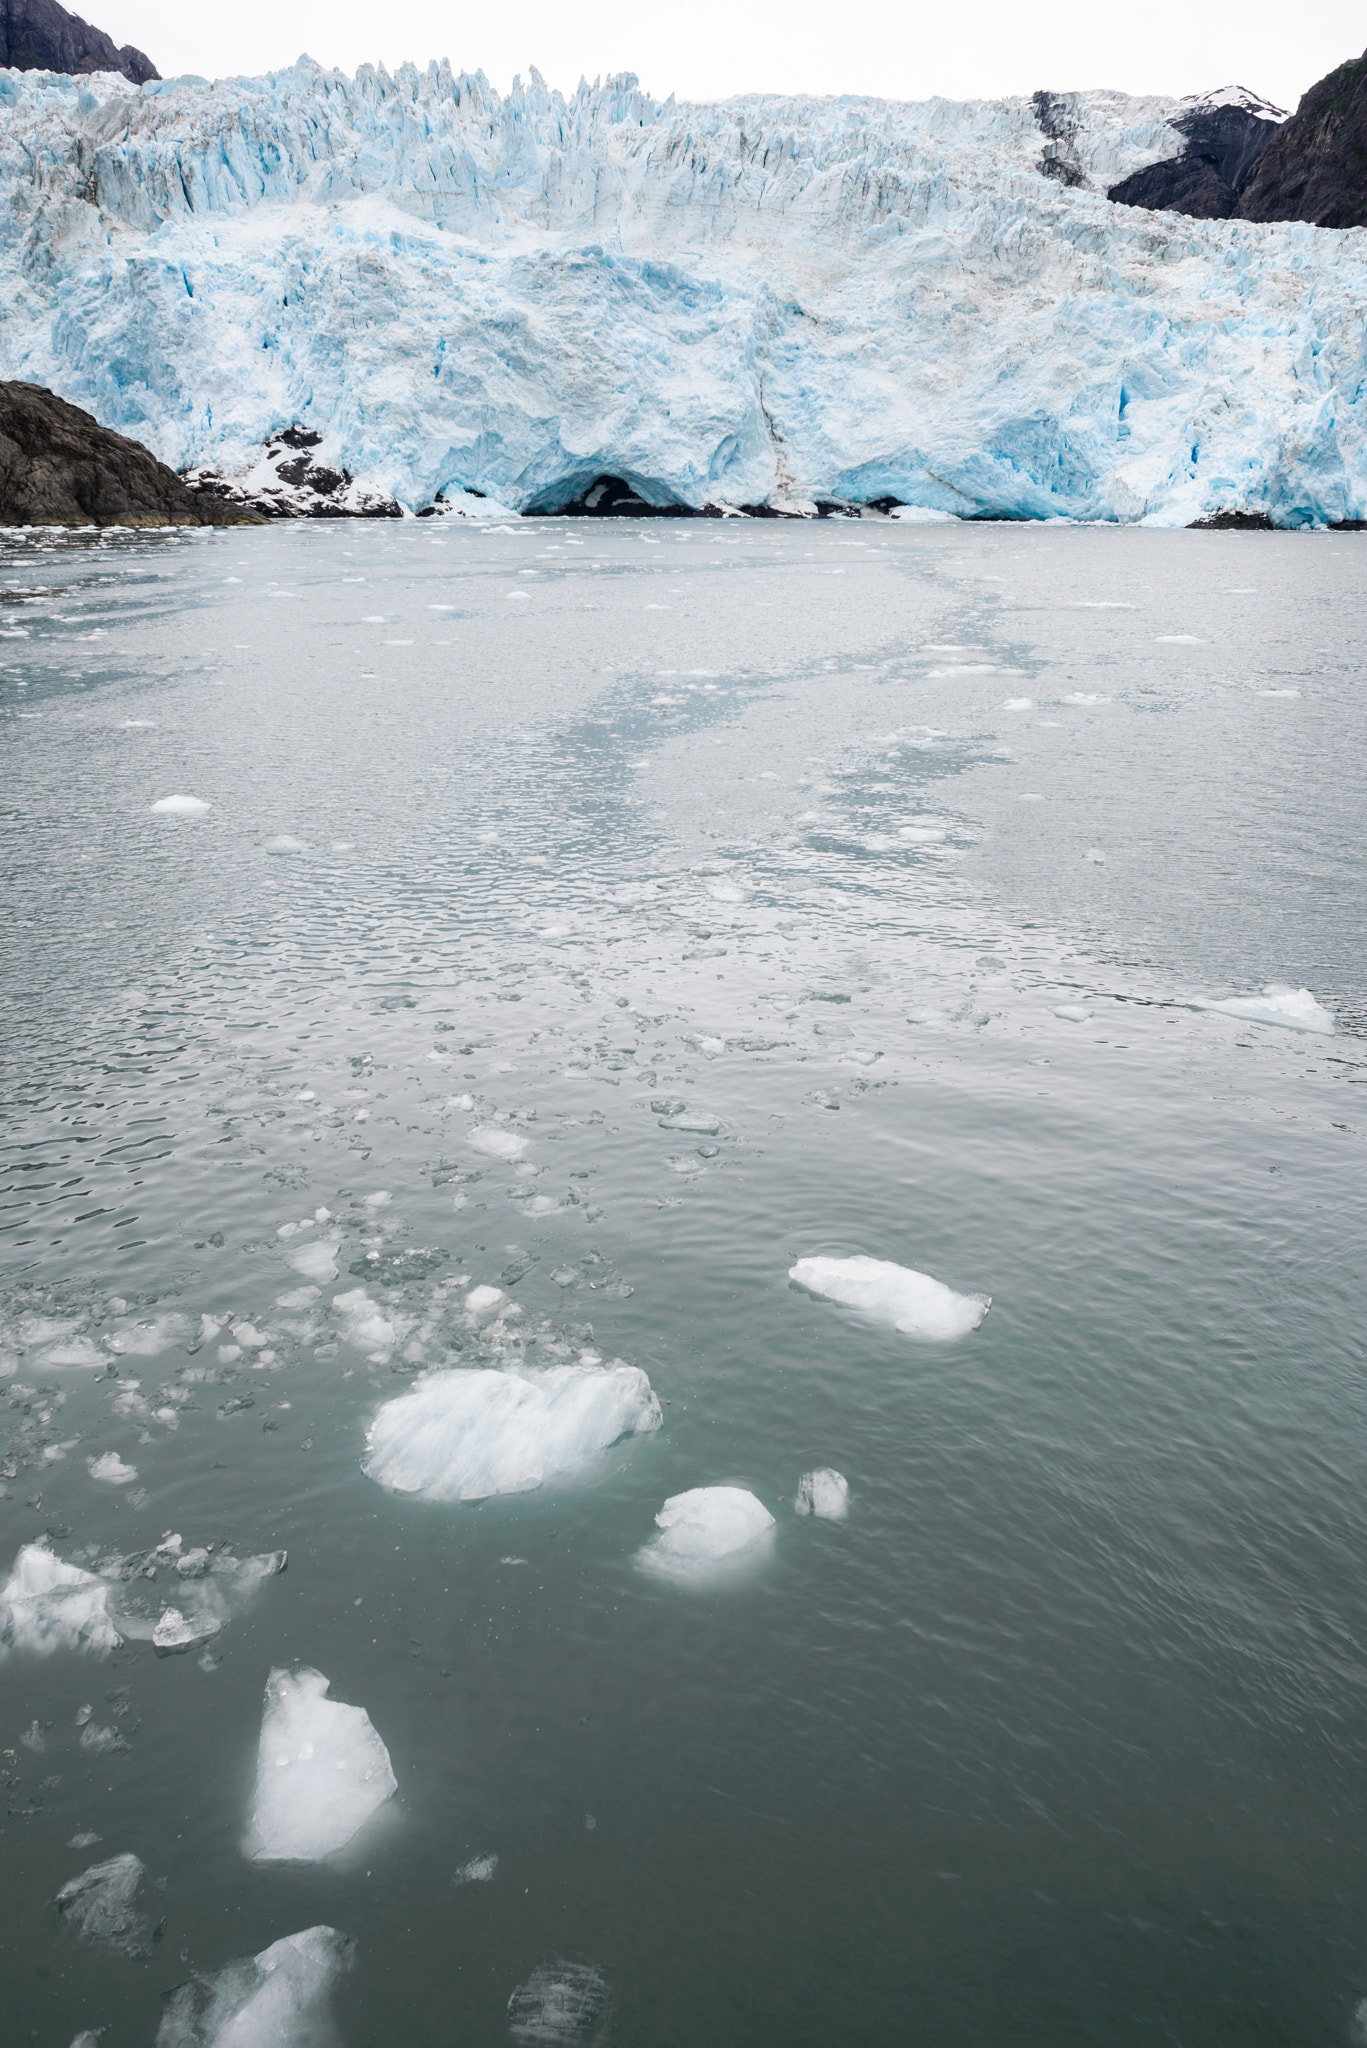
(321, 1771)
(887, 1293)
(561, 2003)
(669, 294)
(100, 1905)
(825, 1494)
(277, 1999)
(465, 1435)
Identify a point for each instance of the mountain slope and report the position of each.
(1226, 134)
(38, 35)
(1316, 169)
(767, 301)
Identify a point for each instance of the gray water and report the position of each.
(1059, 1738)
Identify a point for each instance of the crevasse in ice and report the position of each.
(465, 1435)
(768, 299)
(321, 1771)
(912, 1302)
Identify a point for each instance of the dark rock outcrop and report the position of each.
(290, 483)
(1056, 113)
(38, 35)
(1316, 169)
(60, 467)
(1226, 138)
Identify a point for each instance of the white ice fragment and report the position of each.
(478, 1870)
(47, 1605)
(78, 1352)
(1095, 856)
(177, 1631)
(1073, 1013)
(363, 1321)
(1279, 1003)
(467, 1435)
(321, 1771)
(99, 1904)
(298, 1297)
(1019, 704)
(111, 1469)
(181, 807)
(277, 1999)
(561, 2002)
(284, 842)
(704, 1532)
(498, 1144)
(481, 1302)
(912, 1302)
(1179, 640)
(1083, 697)
(314, 1261)
(825, 1494)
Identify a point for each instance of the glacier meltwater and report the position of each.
(765, 302)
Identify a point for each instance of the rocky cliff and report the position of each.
(38, 35)
(1225, 135)
(59, 467)
(1316, 167)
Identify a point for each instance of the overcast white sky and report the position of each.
(711, 48)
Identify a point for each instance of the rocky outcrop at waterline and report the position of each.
(1315, 169)
(60, 467)
(38, 35)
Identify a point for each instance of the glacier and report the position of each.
(768, 302)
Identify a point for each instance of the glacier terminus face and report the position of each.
(768, 301)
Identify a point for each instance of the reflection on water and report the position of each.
(580, 934)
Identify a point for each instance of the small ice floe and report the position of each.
(704, 1533)
(1019, 704)
(561, 2002)
(177, 1631)
(284, 842)
(496, 1143)
(1083, 697)
(1073, 1013)
(691, 1120)
(99, 1904)
(1279, 1003)
(47, 1605)
(912, 1302)
(321, 1771)
(364, 1322)
(1179, 640)
(181, 807)
(467, 1435)
(483, 1303)
(316, 1261)
(479, 1870)
(277, 1999)
(825, 1494)
(111, 1469)
(89, 2037)
(1279, 693)
(1095, 856)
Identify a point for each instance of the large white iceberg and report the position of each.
(321, 1771)
(887, 1293)
(1279, 1003)
(466, 1435)
(277, 1999)
(704, 1533)
(771, 299)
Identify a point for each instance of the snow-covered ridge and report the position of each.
(767, 300)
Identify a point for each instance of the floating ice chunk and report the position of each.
(1095, 856)
(825, 1494)
(691, 1120)
(149, 1340)
(277, 1999)
(177, 1631)
(468, 1435)
(460, 1102)
(1019, 704)
(363, 1321)
(1279, 1003)
(181, 807)
(284, 842)
(47, 1605)
(297, 1298)
(1074, 1013)
(498, 1144)
(1083, 697)
(99, 1904)
(1029, 796)
(89, 2037)
(482, 1302)
(321, 1771)
(922, 515)
(479, 1870)
(314, 1261)
(1179, 640)
(886, 1293)
(111, 1469)
(561, 2002)
(79, 1351)
(703, 1532)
